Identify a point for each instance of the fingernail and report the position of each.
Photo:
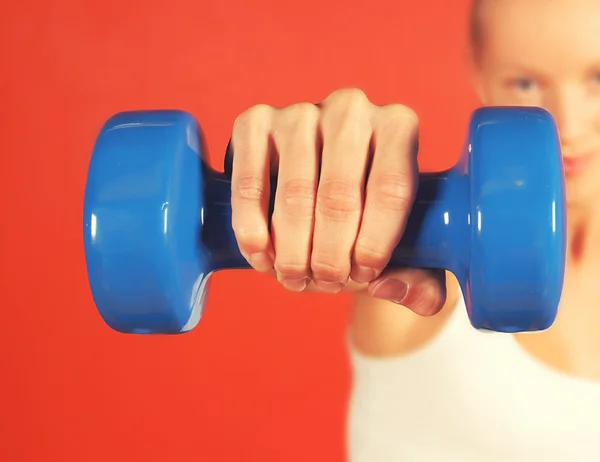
(362, 274)
(261, 261)
(392, 290)
(331, 287)
(295, 285)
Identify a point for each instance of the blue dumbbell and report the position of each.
(157, 221)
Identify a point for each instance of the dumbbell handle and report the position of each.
(437, 226)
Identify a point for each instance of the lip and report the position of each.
(573, 165)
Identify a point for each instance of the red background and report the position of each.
(265, 376)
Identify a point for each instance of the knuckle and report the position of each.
(407, 114)
(329, 272)
(250, 238)
(297, 198)
(296, 123)
(399, 113)
(289, 270)
(352, 96)
(347, 108)
(300, 113)
(354, 99)
(248, 188)
(255, 118)
(391, 192)
(338, 200)
(396, 118)
(371, 252)
(426, 298)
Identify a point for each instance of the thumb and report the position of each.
(420, 290)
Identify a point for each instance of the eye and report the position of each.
(523, 84)
(594, 83)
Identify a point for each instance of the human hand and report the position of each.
(347, 175)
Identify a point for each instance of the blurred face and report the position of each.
(547, 53)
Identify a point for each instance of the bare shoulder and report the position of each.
(381, 328)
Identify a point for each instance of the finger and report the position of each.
(420, 290)
(295, 136)
(390, 190)
(346, 128)
(250, 186)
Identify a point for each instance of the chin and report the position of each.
(583, 190)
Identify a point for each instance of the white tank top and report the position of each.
(469, 396)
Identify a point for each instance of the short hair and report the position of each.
(475, 29)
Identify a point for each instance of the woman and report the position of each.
(428, 387)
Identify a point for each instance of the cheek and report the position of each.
(596, 122)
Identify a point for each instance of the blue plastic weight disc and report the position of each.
(142, 215)
(516, 260)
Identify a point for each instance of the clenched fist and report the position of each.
(346, 178)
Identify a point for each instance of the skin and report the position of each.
(347, 174)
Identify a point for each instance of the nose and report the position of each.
(573, 113)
